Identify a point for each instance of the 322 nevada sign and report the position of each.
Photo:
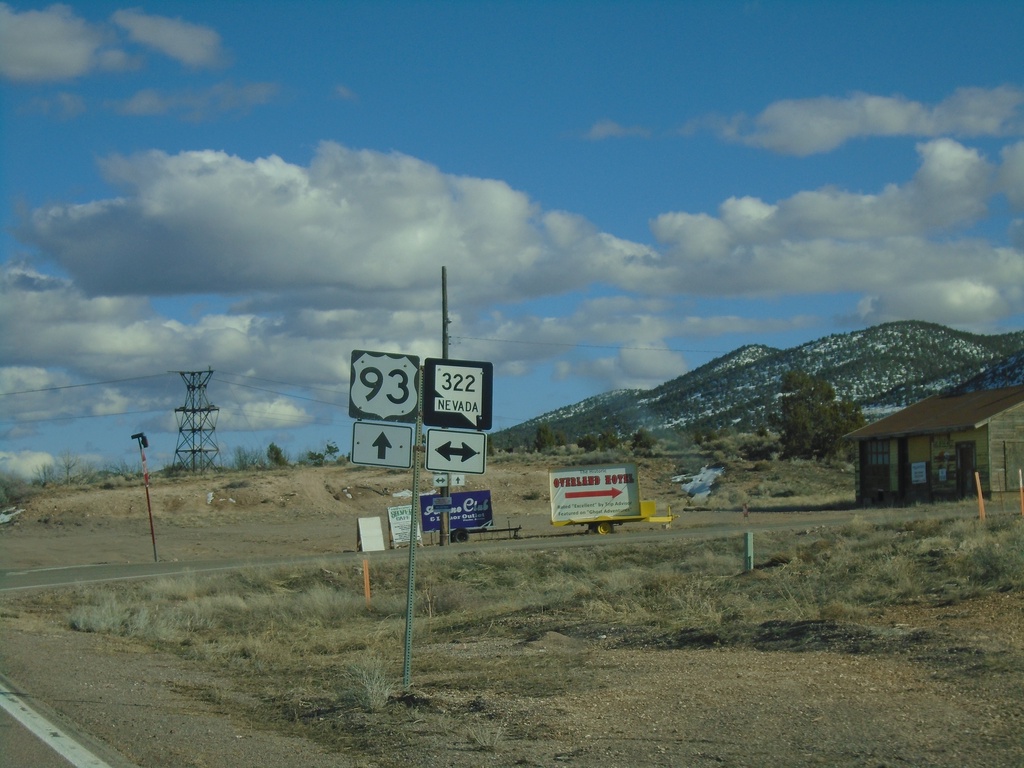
(457, 393)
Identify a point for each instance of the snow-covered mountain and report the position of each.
(882, 368)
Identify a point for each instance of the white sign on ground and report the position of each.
(398, 519)
(371, 535)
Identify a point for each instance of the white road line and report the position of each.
(47, 732)
(55, 568)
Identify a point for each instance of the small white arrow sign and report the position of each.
(451, 450)
(381, 445)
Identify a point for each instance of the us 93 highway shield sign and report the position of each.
(384, 387)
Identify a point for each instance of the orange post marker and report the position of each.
(366, 580)
(981, 499)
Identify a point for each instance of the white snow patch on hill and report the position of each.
(698, 486)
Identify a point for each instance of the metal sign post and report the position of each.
(143, 444)
(414, 516)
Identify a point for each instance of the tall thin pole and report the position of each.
(143, 442)
(444, 313)
(445, 490)
(414, 518)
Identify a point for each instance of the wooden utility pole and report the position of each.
(445, 490)
(444, 313)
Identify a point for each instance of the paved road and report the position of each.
(35, 736)
(21, 748)
(78, 575)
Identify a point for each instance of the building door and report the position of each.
(965, 470)
(876, 487)
(903, 461)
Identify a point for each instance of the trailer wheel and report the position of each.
(459, 536)
(603, 528)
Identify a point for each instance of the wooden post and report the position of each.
(981, 498)
(366, 580)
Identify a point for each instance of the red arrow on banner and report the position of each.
(591, 494)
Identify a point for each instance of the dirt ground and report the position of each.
(918, 686)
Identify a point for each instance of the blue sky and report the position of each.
(620, 192)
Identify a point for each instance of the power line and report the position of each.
(284, 394)
(85, 416)
(159, 410)
(274, 381)
(589, 346)
(89, 384)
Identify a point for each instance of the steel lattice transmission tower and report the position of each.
(197, 423)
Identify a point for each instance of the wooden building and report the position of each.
(930, 451)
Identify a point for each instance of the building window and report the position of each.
(878, 452)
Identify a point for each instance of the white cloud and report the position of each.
(345, 93)
(192, 44)
(29, 379)
(950, 189)
(54, 44)
(971, 302)
(609, 129)
(633, 331)
(104, 339)
(24, 464)
(260, 414)
(835, 241)
(198, 105)
(808, 126)
(364, 225)
(1011, 175)
(346, 251)
(62, 106)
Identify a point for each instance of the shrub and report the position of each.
(247, 458)
(366, 685)
(276, 456)
(13, 489)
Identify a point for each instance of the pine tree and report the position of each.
(812, 422)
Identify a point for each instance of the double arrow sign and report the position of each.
(447, 451)
(451, 450)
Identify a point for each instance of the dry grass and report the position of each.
(303, 642)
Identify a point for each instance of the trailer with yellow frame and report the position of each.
(600, 498)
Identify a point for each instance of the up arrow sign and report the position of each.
(382, 445)
(452, 450)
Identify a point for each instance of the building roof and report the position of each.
(944, 413)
